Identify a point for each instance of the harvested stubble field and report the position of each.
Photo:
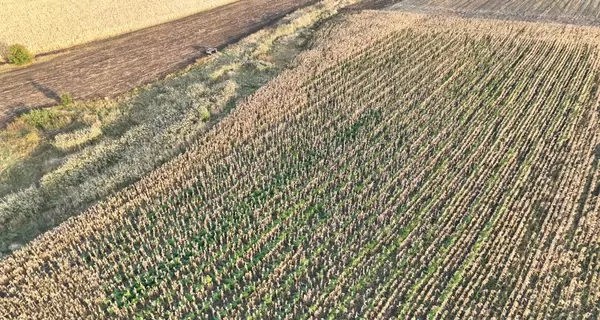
(586, 12)
(49, 25)
(408, 166)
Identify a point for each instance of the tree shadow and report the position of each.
(49, 93)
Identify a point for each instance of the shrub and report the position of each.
(19, 55)
(39, 118)
(45, 119)
(66, 99)
(204, 114)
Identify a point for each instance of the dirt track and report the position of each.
(110, 67)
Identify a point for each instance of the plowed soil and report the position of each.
(116, 65)
(372, 4)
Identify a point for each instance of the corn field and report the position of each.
(564, 11)
(407, 167)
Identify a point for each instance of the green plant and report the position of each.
(45, 119)
(204, 114)
(19, 55)
(40, 118)
(66, 99)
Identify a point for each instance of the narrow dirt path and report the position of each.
(116, 65)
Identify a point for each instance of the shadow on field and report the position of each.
(49, 93)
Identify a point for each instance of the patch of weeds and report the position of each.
(204, 114)
(45, 119)
(66, 99)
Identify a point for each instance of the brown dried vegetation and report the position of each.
(407, 166)
(585, 12)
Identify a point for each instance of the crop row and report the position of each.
(439, 174)
(570, 11)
